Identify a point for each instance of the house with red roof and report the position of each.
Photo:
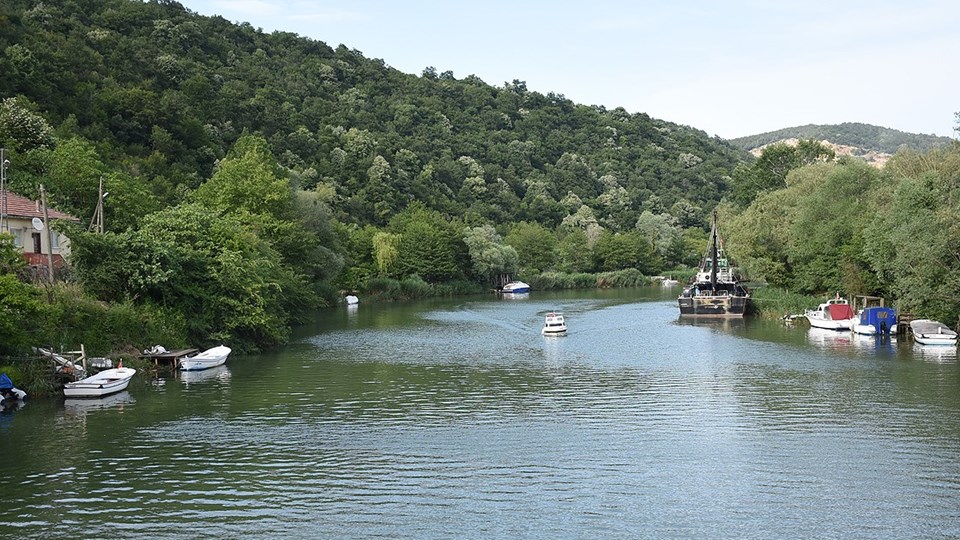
(23, 218)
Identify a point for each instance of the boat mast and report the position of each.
(713, 255)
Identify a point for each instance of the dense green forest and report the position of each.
(865, 136)
(255, 177)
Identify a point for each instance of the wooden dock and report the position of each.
(170, 357)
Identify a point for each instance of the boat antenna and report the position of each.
(713, 255)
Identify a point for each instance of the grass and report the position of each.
(773, 302)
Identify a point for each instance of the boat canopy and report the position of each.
(5, 382)
(884, 319)
(840, 311)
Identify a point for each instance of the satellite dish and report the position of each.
(38, 224)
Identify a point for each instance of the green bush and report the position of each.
(774, 302)
(630, 277)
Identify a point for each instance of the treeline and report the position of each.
(865, 136)
(841, 226)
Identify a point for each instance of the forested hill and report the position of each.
(863, 136)
(163, 93)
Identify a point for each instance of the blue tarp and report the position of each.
(5, 382)
(884, 319)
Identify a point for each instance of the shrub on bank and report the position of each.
(413, 287)
(630, 277)
(774, 302)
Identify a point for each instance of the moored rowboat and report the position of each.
(106, 382)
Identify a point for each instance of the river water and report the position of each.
(454, 418)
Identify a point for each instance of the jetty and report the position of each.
(167, 357)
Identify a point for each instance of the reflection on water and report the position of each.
(221, 373)
(515, 296)
(455, 418)
(831, 339)
(936, 353)
(722, 324)
(85, 405)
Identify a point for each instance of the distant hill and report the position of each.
(864, 138)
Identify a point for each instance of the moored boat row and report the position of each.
(837, 314)
(116, 379)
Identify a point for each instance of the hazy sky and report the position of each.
(729, 68)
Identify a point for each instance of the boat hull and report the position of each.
(866, 330)
(830, 324)
(191, 364)
(927, 339)
(106, 382)
(713, 306)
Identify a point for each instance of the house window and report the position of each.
(36, 243)
(55, 239)
(17, 237)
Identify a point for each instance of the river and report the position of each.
(454, 418)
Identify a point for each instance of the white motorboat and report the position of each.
(351, 300)
(834, 314)
(108, 381)
(554, 325)
(515, 287)
(930, 332)
(209, 358)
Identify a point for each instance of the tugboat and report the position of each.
(716, 290)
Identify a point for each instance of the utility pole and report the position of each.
(96, 224)
(46, 225)
(4, 163)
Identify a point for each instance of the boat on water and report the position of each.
(716, 290)
(351, 300)
(554, 325)
(834, 314)
(930, 332)
(876, 321)
(207, 359)
(515, 287)
(669, 282)
(10, 395)
(108, 381)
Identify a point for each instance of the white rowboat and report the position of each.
(108, 381)
(209, 358)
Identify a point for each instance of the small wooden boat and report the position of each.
(554, 325)
(930, 332)
(209, 358)
(108, 381)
